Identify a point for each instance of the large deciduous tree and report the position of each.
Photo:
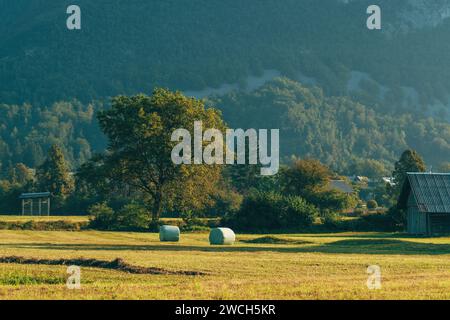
(305, 175)
(309, 179)
(139, 130)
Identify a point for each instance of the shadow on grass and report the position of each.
(275, 240)
(348, 246)
(363, 235)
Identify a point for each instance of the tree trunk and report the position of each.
(157, 209)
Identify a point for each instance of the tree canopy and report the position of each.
(338, 131)
(54, 176)
(139, 130)
(410, 161)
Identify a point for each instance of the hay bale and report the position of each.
(169, 233)
(222, 236)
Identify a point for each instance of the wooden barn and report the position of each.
(426, 199)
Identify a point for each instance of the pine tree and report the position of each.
(54, 175)
(410, 161)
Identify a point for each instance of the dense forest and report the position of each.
(338, 131)
(126, 47)
(354, 96)
(27, 132)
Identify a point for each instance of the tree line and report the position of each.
(345, 135)
(135, 179)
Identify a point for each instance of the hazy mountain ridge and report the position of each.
(134, 46)
(421, 13)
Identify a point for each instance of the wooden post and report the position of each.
(31, 201)
(23, 206)
(48, 206)
(40, 206)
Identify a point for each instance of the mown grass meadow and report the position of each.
(282, 266)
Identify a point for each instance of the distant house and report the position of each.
(362, 179)
(426, 199)
(358, 179)
(341, 185)
(388, 180)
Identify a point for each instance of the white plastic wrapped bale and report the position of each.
(222, 236)
(169, 233)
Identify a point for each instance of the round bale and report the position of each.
(222, 236)
(169, 233)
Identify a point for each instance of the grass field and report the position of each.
(319, 266)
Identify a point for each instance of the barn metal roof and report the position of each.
(35, 195)
(431, 191)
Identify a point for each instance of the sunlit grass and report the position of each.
(21, 279)
(296, 266)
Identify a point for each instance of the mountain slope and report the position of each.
(133, 46)
(336, 130)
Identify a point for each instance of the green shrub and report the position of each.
(272, 211)
(190, 219)
(296, 212)
(375, 222)
(366, 223)
(194, 228)
(397, 215)
(101, 216)
(330, 219)
(331, 200)
(131, 217)
(226, 201)
(372, 204)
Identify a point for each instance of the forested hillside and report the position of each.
(336, 130)
(27, 132)
(354, 94)
(134, 46)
